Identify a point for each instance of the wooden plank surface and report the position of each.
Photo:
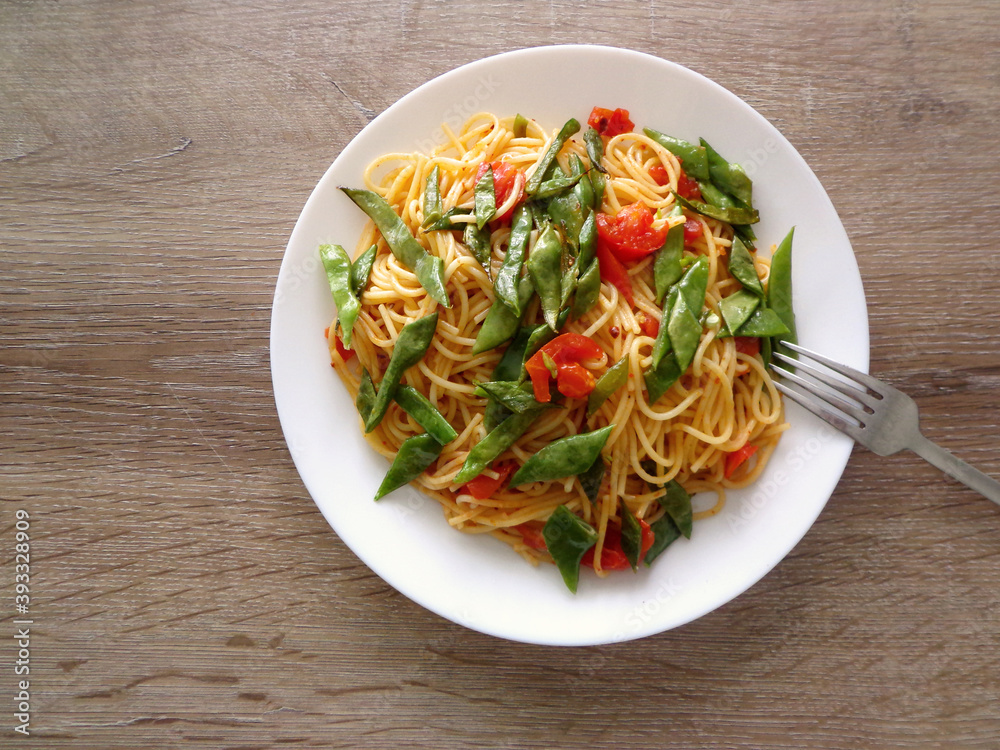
(185, 590)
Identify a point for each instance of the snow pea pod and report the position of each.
(733, 215)
(520, 126)
(588, 289)
(567, 211)
(779, 289)
(366, 395)
(541, 335)
(631, 535)
(659, 379)
(418, 406)
(764, 323)
(337, 264)
(595, 148)
(613, 378)
(508, 277)
(545, 269)
(692, 158)
(509, 367)
(501, 323)
(485, 198)
(562, 458)
(429, 269)
(584, 191)
(684, 329)
(432, 198)
(568, 284)
(667, 264)
(444, 222)
(715, 197)
(588, 240)
(680, 328)
(599, 182)
(415, 454)
(741, 266)
(590, 480)
(513, 395)
(728, 176)
(736, 310)
(556, 185)
(567, 131)
(567, 538)
(411, 345)
(478, 242)
(361, 270)
(665, 533)
(497, 440)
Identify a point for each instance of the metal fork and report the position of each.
(880, 417)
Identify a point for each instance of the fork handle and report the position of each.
(957, 468)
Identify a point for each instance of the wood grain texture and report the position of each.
(187, 593)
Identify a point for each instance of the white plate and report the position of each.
(480, 582)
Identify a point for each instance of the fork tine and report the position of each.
(874, 384)
(849, 389)
(827, 415)
(841, 404)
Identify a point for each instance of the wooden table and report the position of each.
(185, 591)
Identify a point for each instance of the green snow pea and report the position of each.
(728, 176)
(501, 323)
(588, 240)
(613, 378)
(584, 190)
(497, 440)
(337, 264)
(485, 198)
(680, 319)
(631, 535)
(684, 329)
(411, 345)
(590, 480)
(595, 148)
(567, 538)
(764, 323)
(445, 222)
(541, 334)
(568, 284)
(741, 266)
(429, 269)
(715, 197)
(361, 270)
(779, 290)
(667, 264)
(659, 379)
(677, 503)
(567, 211)
(366, 395)
(508, 368)
(556, 185)
(588, 289)
(733, 215)
(545, 269)
(415, 454)
(508, 277)
(520, 126)
(418, 406)
(432, 198)
(599, 182)
(692, 158)
(561, 458)
(736, 310)
(513, 395)
(478, 242)
(549, 157)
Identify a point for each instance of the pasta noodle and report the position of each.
(725, 399)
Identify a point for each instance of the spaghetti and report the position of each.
(712, 430)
